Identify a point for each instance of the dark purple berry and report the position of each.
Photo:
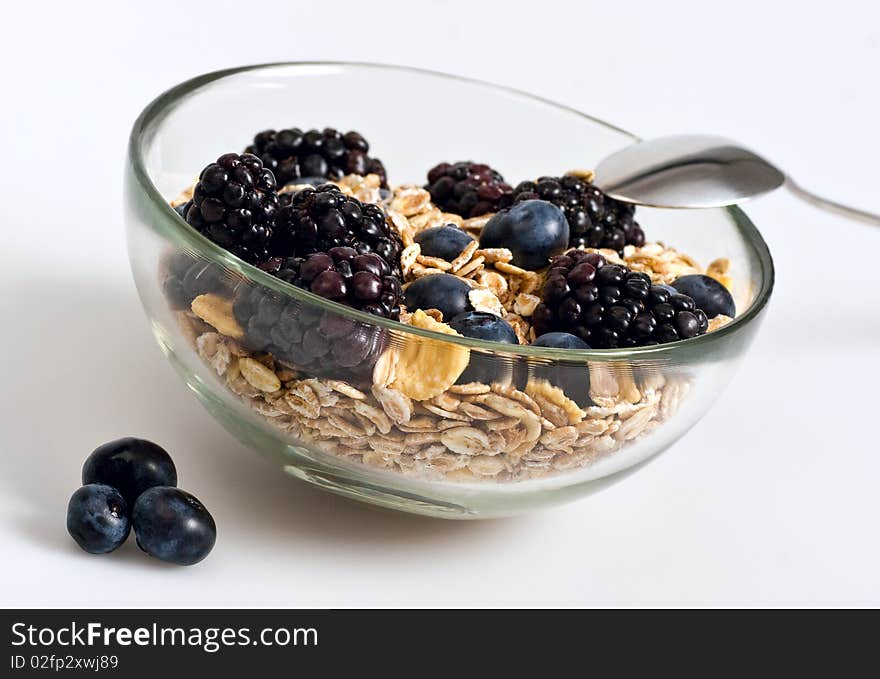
(326, 220)
(367, 286)
(234, 204)
(322, 342)
(468, 189)
(609, 306)
(189, 277)
(315, 264)
(298, 157)
(372, 263)
(329, 284)
(687, 324)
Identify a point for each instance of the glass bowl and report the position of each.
(317, 390)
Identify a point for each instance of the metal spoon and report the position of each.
(700, 171)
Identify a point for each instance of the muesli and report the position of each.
(551, 262)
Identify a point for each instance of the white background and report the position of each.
(773, 499)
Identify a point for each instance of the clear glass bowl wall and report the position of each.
(413, 120)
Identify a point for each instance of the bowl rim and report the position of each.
(172, 225)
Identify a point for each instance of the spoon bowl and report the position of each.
(701, 171)
(686, 171)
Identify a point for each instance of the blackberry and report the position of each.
(321, 343)
(316, 220)
(609, 306)
(293, 154)
(468, 189)
(234, 204)
(361, 281)
(594, 219)
(187, 277)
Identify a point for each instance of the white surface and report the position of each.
(772, 499)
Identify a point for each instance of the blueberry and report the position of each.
(560, 340)
(708, 294)
(445, 242)
(97, 518)
(485, 368)
(440, 291)
(172, 525)
(131, 466)
(485, 326)
(572, 378)
(533, 230)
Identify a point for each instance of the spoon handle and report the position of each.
(830, 205)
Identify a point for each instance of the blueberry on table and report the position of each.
(485, 368)
(441, 291)
(97, 518)
(131, 466)
(533, 230)
(445, 242)
(708, 294)
(172, 525)
(572, 378)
